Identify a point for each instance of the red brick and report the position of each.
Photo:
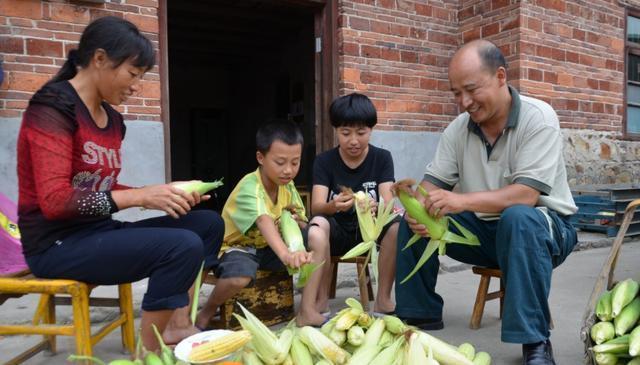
(390, 80)
(491, 29)
(11, 45)
(572, 104)
(604, 85)
(466, 13)
(592, 83)
(423, 9)
(121, 7)
(6, 113)
(31, 9)
(20, 22)
(572, 57)
(534, 24)
(95, 13)
(565, 80)
(149, 89)
(409, 57)
(42, 47)
(370, 52)
(558, 54)
(510, 23)
(17, 67)
(351, 75)
(441, 13)
(441, 37)
(418, 33)
(409, 81)
(544, 52)
(400, 30)
(471, 35)
(578, 34)
(389, 4)
(142, 110)
(69, 13)
(434, 108)
(390, 54)
(380, 27)
(396, 106)
(535, 75)
(550, 77)
(351, 49)
(23, 81)
(145, 23)
(359, 23)
(558, 5)
(67, 36)
(586, 60)
(367, 77)
(428, 84)
(149, 3)
(16, 104)
(416, 107)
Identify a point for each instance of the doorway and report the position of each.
(233, 65)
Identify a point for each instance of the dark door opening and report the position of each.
(232, 66)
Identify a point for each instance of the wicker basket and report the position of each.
(605, 281)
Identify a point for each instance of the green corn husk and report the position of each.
(634, 342)
(386, 339)
(612, 348)
(390, 354)
(292, 236)
(622, 294)
(300, 353)
(202, 187)
(602, 332)
(634, 361)
(606, 359)
(196, 295)
(355, 335)
(438, 227)
(370, 229)
(603, 308)
(628, 317)
(444, 353)
(165, 352)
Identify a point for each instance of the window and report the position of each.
(632, 125)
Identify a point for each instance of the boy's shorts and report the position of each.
(342, 240)
(245, 261)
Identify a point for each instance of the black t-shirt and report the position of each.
(329, 170)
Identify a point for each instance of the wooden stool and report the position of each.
(270, 299)
(484, 295)
(44, 320)
(364, 280)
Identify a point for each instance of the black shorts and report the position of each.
(342, 239)
(246, 261)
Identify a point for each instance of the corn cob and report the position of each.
(394, 325)
(300, 353)
(386, 339)
(292, 236)
(634, 342)
(602, 332)
(444, 353)
(606, 359)
(390, 354)
(365, 320)
(438, 227)
(467, 350)
(200, 186)
(364, 355)
(374, 333)
(623, 293)
(251, 358)
(603, 308)
(414, 352)
(628, 317)
(323, 346)
(612, 348)
(220, 347)
(482, 358)
(355, 335)
(348, 319)
(267, 345)
(339, 337)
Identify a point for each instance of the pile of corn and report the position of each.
(351, 337)
(617, 334)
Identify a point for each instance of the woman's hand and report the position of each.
(168, 198)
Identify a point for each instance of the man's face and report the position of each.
(475, 88)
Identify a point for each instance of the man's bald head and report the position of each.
(488, 53)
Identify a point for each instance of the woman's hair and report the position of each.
(120, 39)
(353, 110)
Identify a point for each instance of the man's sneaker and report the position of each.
(539, 353)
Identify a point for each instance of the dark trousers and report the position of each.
(520, 244)
(166, 250)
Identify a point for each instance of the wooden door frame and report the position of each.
(326, 73)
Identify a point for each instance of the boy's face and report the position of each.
(281, 163)
(353, 141)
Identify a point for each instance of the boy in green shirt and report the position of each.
(252, 239)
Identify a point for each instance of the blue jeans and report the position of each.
(519, 244)
(166, 250)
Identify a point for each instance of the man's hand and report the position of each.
(442, 202)
(416, 227)
(296, 259)
(343, 202)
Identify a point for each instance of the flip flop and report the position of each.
(382, 314)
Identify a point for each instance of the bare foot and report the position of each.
(384, 307)
(310, 319)
(323, 307)
(172, 336)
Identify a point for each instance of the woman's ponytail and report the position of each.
(69, 69)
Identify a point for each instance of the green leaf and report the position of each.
(196, 295)
(431, 248)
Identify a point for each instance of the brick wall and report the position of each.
(36, 35)
(397, 52)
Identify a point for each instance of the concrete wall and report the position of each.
(142, 155)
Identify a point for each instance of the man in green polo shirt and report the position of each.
(504, 153)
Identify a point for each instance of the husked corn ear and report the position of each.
(265, 342)
(364, 355)
(603, 308)
(365, 320)
(394, 324)
(606, 359)
(628, 317)
(251, 358)
(355, 335)
(300, 353)
(390, 354)
(348, 319)
(323, 346)
(386, 339)
(220, 347)
(444, 353)
(622, 294)
(612, 348)
(634, 342)
(374, 333)
(414, 353)
(467, 350)
(602, 332)
(482, 358)
(339, 337)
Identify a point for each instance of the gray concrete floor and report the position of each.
(571, 286)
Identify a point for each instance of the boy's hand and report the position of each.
(343, 202)
(296, 259)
